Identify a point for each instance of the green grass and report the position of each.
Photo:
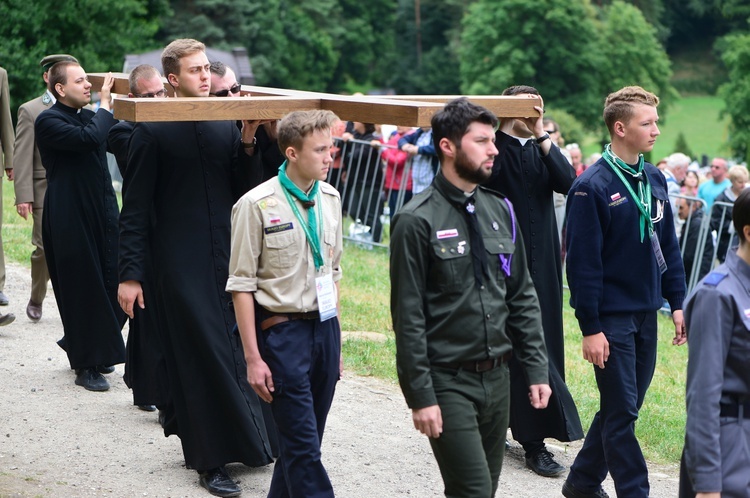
(698, 119)
(16, 230)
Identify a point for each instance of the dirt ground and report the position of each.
(58, 440)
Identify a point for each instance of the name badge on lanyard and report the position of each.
(657, 252)
(326, 293)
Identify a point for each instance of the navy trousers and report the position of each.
(611, 444)
(303, 356)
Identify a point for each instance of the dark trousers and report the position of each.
(474, 407)
(611, 444)
(303, 356)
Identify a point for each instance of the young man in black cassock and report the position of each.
(185, 175)
(528, 171)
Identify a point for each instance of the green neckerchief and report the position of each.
(308, 200)
(643, 198)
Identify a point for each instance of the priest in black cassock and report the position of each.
(527, 171)
(187, 176)
(79, 228)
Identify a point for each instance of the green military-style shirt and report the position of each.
(439, 313)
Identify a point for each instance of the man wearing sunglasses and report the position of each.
(224, 84)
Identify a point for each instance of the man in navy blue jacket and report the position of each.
(623, 256)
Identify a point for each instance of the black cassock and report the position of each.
(187, 176)
(145, 370)
(79, 231)
(528, 181)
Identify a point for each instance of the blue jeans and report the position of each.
(611, 444)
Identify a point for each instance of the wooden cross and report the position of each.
(275, 103)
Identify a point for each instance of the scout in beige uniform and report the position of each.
(283, 274)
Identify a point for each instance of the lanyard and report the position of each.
(643, 200)
(312, 240)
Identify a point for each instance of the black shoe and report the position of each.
(105, 370)
(543, 464)
(147, 408)
(507, 445)
(7, 319)
(91, 380)
(3, 299)
(218, 483)
(569, 491)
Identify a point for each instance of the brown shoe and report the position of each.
(34, 311)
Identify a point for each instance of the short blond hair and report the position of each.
(619, 105)
(182, 47)
(738, 173)
(295, 126)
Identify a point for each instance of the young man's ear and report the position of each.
(173, 80)
(448, 148)
(619, 128)
(291, 154)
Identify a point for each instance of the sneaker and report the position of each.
(543, 464)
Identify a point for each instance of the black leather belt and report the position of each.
(733, 409)
(477, 366)
(277, 318)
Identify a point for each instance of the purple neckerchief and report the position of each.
(506, 260)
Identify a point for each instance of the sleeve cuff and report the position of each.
(241, 284)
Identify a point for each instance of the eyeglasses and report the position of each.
(161, 93)
(225, 93)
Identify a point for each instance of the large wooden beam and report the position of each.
(210, 108)
(503, 106)
(274, 103)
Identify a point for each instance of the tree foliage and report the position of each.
(97, 32)
(571, 52)
(736, 93)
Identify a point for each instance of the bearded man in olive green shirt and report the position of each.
(462, 301)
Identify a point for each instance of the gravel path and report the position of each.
(58, 440)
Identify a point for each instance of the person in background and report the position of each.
(79, 228)
(721, 215)
(398, 182)
(364, 178)
(719, 182)
(145, 372)
(424, 164)
(674, 172)
(691, 213)
(224, 84)
(716, 456)
(690, 184)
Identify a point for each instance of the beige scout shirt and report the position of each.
(270, 253)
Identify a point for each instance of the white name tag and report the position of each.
(326, 293)
(447, 234)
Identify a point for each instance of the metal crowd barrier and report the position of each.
(358, 173)
(715, 234)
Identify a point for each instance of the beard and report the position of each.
(469, 172)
